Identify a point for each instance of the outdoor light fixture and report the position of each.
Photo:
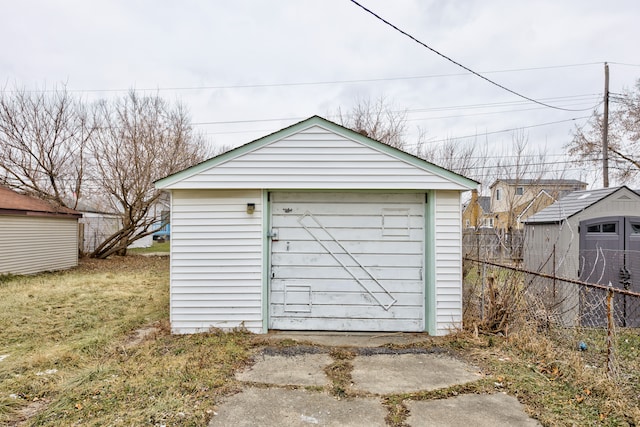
(251, 208)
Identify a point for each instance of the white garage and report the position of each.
(316, 227)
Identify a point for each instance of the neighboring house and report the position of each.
(162, 211)
(316, 227)
(36, 236)
(476, 213)
(96, 225)
(511, 199)
(592, 236)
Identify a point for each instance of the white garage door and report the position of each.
(347, 262)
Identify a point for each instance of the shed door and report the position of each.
(632, 265)
(347, 262)
(610, 253)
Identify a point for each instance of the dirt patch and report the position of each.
(372, 351)
(27, 412)
(292, 351)
(123, 263)
(139, 335)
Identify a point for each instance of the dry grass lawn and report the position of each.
(70, 355)
(92, 347)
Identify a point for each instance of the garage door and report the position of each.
(347, 262)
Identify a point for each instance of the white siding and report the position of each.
(30, 244)
(316, 158)
(448, 261)
(216, 260)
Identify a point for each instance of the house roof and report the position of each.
(541, 182)
(12, 203)
(445, 174)
(570, 205)
(485, 203)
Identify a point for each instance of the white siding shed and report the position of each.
(35, 236)
(316, 227)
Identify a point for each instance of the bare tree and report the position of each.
(140, 139)
(377, 120)
(623, 138)
(465, 158)
(43, 139)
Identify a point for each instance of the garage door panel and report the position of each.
(353, 311)
(337, 272)
(414, 219)
(326, 260)
(348, 235)
(355, 248)
(355, 297)
(349, 285)
(347, 262)
(347, 197)
(354, 324)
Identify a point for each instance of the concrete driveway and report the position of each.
(289, 386)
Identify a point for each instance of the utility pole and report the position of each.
(605, 130)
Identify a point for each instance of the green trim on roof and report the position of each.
(331, 126)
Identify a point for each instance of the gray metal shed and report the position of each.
(592, 236)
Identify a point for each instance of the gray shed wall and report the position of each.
(31, 244)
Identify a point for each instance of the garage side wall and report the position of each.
(32, 244)
(216, 260)
(448, 261)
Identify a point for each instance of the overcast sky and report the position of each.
(246, 68)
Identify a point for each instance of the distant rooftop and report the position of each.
(485, 203)
(570, 205)
(542, 182)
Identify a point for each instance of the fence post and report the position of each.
(483, 278)
(610, 326)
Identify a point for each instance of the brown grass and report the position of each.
(73, 356)
(68, 335)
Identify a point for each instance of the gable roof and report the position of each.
(541, 182)
(12, 203)
(485, 203)
(174, 181)
(532, 204)
(572, 204)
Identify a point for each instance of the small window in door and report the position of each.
(635, 228)
(593, 228)
(609, 227)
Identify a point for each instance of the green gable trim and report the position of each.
(326, 124)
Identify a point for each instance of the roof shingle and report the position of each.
(20, 204)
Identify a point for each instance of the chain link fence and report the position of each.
(593, 318)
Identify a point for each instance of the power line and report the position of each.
(585, 97)
(500, 131)
(309, 83)
(457, 63)
(482, 114)
(625, 64)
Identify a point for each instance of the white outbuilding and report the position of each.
(316, 227)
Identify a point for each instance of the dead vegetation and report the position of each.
(72, 353)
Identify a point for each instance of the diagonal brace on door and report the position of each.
(390, 300)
